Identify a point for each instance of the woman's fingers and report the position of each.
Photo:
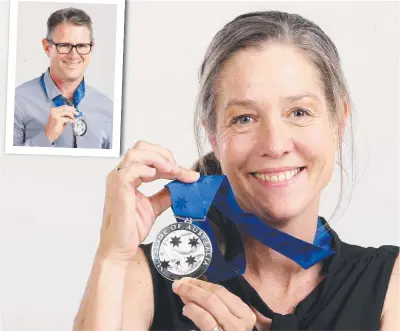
(149, 158)
(199, 316)
(184, 175)
(161, 160)
(213, 291)
(209, 302)
(160, 201)
(135, 173)
(144, 145)
(187, 175)
(209, 296)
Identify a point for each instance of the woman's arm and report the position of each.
(119, 292)
(390, 320)
(139, 298)
(118, 296)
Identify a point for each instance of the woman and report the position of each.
(274, 104)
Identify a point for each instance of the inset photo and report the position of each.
(65, 71)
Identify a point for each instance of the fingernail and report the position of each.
(175, 285)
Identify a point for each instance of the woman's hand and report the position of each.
(128, 214)
(213, 307)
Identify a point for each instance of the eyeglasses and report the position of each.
(65, 48)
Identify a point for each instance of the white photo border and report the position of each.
(115, 151)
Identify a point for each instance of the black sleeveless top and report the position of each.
(350, 297)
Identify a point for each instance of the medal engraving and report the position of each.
(181, 250)
(79, 127)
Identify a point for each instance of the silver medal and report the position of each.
(181, 250)
(79, 127)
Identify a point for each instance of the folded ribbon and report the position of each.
(194, 200)
(59, 99)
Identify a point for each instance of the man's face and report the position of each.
(68, 67)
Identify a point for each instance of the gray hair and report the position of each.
(253, 30)
(69, 15)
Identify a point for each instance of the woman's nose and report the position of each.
(273, 139)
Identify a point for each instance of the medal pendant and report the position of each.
(181, 250)
(79, 127)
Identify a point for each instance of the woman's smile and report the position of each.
(277, 177)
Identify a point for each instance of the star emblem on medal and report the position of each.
(175, 241)
(193, 242)
(165, 264)
(190, 260)
(182, 250)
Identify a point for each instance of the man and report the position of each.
(58, 109)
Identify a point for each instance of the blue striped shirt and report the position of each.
(32, 108)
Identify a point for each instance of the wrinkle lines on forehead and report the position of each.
(248, 103)
(276, 73)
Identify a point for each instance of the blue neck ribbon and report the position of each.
(59, 99)
(194, 200)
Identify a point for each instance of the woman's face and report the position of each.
(274, 137)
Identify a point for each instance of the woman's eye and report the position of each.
(300, 112)
(242, 119)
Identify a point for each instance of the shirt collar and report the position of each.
(51, 87)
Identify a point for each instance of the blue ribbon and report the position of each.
(59, 100)
(194, 200)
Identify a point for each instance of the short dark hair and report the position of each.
(69, 15)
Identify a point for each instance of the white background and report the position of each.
(51, 206)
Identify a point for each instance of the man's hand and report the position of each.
(57, 121)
